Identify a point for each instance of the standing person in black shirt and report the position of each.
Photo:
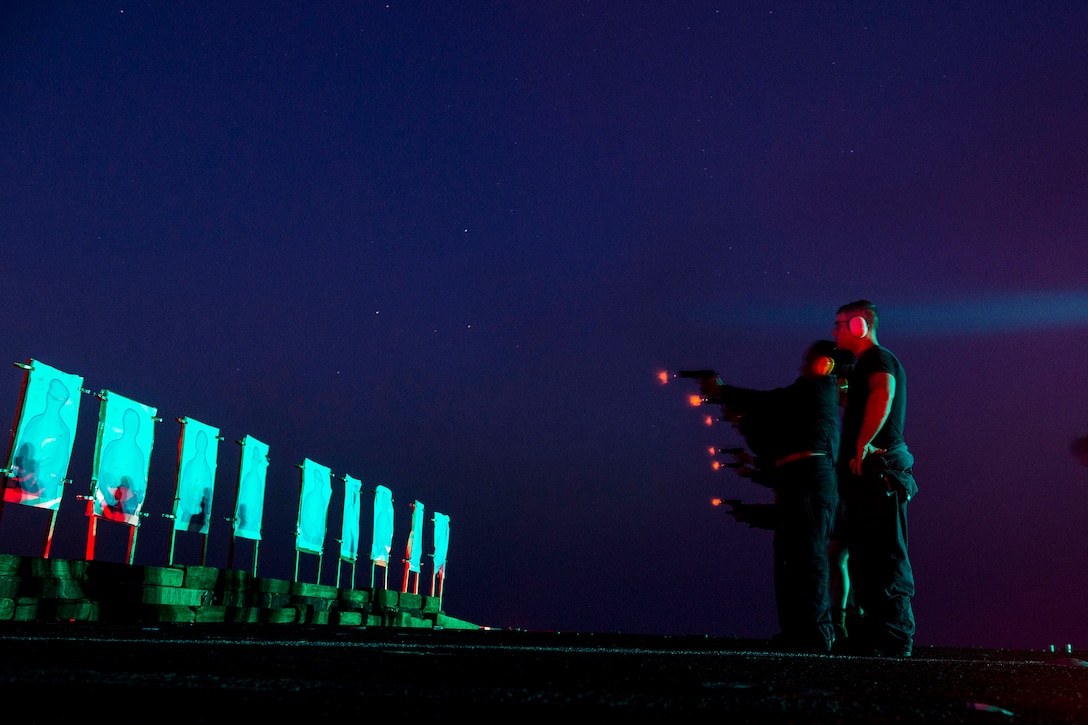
(876, 481)
(794, 434)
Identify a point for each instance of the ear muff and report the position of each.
(823, 365)
(858, 326)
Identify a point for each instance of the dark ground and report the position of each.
(194, 674)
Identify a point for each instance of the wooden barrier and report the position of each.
(56, 590)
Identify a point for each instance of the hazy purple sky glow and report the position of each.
(445, 247)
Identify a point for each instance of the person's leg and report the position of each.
(838, 555)
(900, 613)
(806, 580)
(815, 572)
(880, 574)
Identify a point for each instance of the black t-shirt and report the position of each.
(803, 416)
(876, 359)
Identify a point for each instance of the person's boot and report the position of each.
(838, 618)
(853, 618)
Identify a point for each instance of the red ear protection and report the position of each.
(858, 326)
(823, 365)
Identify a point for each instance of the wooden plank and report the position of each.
(10, 564)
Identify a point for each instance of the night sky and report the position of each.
(446, 248)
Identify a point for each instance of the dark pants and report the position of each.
(880, 573)
(806, 499)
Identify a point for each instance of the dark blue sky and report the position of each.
(444, 247)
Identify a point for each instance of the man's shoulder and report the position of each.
(879, 359)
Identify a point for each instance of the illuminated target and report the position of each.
(126, 433)
(42, 445)
(252, 472)
(198, 455)
(313, 509)
(382, 542)
(349, 526)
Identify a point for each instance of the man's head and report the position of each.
(855, 326)
(821, 360)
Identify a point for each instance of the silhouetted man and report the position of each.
(875, 482)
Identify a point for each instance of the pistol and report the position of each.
(697, 374)
(741, 457)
